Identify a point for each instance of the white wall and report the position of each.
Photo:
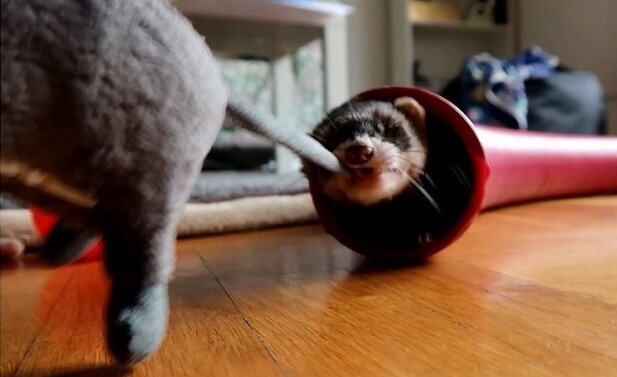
(583, 33)
(368, 44)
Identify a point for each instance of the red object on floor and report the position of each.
(509, 166)
(44, 222)
(527, 165)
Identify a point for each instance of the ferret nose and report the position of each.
(358, 154)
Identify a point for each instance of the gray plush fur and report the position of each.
(301, 144)
(119, 101)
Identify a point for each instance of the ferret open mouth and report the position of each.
(372, 174)
(366, 171)
(368, 185)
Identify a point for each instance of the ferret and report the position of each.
(405, 176)
(381, 145)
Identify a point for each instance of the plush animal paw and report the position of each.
(136, 321)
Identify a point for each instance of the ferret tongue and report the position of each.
(367, 175)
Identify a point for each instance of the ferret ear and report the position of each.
(413, 111)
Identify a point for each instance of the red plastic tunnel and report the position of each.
(509, 166)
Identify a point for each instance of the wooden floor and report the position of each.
(528, 291)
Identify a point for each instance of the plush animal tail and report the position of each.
(302, 144)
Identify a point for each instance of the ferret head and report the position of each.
(381, 144)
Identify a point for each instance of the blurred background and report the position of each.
(553, 63)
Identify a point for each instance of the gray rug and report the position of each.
(220, 202)
(225, 185)
(217, 186)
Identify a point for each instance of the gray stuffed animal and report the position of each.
(108, 109)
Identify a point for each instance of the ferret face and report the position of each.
(382, 145)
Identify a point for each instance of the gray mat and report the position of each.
(217, 186)
(224, 185)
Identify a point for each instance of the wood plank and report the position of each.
(28, 292)
(527, 291)
(420, 321)
(566, 244)
(72, 337)
(204, 327)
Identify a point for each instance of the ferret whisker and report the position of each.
(425, 194)
(416, 150)
(329, 118)
(319, 138)
(390, 148)
(429, 179)
(411, 163)
(394, 147)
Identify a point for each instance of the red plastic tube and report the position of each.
(527, 166)
(509, 166)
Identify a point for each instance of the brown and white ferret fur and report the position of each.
(382, 145)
